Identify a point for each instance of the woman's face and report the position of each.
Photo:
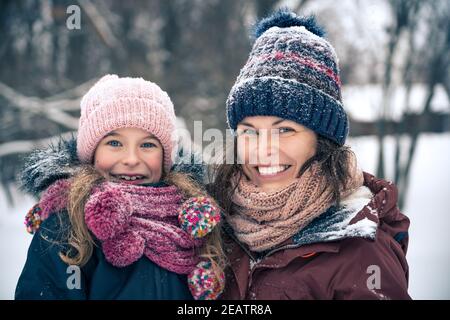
(272, 150)
(129, 155)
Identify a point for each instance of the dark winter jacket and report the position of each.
(46, 276)
(339, 255)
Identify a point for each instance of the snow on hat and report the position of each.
(292, 72)
(114, 103)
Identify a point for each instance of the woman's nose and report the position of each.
(267, 148)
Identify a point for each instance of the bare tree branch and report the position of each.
(72, 93)
(25, 146)
(100, 24)
(39, 106)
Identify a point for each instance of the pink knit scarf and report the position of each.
(132, 221)
(264, 220)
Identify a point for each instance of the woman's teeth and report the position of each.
(271, 170)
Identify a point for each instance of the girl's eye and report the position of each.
(114, 143)
(149, 145)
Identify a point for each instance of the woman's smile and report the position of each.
(272, 172)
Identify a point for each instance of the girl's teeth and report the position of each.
(128, 178)
(271, 170)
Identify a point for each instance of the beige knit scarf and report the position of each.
(264, 220)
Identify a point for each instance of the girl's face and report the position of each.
(129, 155)
(272, 150)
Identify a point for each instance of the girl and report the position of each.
(121, 225)
(302, 221)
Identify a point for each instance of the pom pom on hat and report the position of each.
(198, 216)
(284, 18)
(203, 282)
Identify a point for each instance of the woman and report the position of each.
(302, 221)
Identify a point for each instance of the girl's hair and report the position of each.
(334, 162)
(212, 250)
(81, 242)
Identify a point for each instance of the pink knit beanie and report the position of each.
(114, 103)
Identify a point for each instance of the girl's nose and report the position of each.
(131, 159)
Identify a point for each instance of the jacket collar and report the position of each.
(236, 250)
(240, 257)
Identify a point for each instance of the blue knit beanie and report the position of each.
(292, 72)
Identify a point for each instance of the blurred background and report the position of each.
(394, 60)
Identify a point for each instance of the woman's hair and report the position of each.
(80, 240)
(334, 162)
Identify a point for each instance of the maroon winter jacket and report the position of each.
(339, 255)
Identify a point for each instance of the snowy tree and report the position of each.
(194, 50)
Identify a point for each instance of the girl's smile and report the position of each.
(128, 178)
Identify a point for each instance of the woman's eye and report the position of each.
(284, 130)
(114, 143)
(248, 132)
(148, 145)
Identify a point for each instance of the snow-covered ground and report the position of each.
(429, 249)
(14, 242)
